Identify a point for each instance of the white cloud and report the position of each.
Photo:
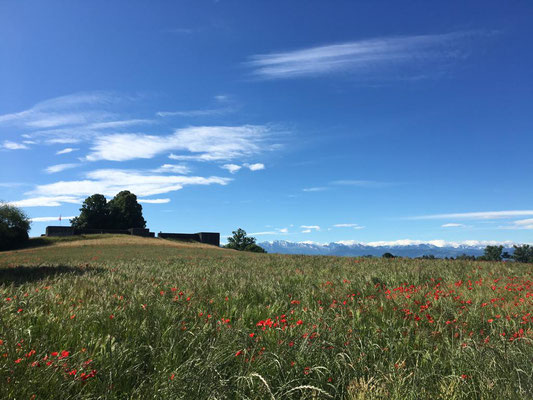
(391, 57)
(111, 181)
(315, 189)
(59, 167)
(278, 231)
(196, 113)
(362, 183)
(66, 150)
(9, 145)
(519, 224)
(47, 201)
(233, 168)
(206, 143)
(49, 219)
(255, 167)
(453, 225)
(477, 215)
(310, 228)
(154, 201)
(173, 168)
(354, 226)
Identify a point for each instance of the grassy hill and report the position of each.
(127, 317)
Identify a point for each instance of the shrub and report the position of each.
(14, 227)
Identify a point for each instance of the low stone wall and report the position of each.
(212, 238)
(70, 231)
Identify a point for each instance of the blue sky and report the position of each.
(303, 121)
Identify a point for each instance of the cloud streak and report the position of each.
(476, 215)
(403, 55)
(201, 143)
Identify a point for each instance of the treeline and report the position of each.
(522, 253)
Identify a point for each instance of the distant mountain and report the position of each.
(401, 248)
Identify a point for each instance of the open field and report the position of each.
(126, 317)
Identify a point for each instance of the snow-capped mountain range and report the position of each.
(402, 248)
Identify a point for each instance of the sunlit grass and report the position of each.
(146, 318)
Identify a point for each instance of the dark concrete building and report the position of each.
(212, 238)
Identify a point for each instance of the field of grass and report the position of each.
(124, 317)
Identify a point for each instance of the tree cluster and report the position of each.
(240, 241)
(14, 227)
(121, 212)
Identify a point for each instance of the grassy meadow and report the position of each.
(119, 317)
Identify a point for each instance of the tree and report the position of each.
(523, 254)
(492, 253)
(94, 214)
(14, 227)
(125, 212)
(388, 255)
(239, 241)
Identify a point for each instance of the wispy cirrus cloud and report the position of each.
(386, 57)
(66, 151)
(353, 226)
(453, 225)
(310, 228)
(111, 181)
(476, 215)
(315, 189)
(9, 145)
(201, 143)
(233, 168)
(173, 169)
(49, 219)
(53, 169)
(46, 201)
(154, 201)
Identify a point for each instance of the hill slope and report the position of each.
(122, 317)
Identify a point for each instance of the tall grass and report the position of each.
(135, 320)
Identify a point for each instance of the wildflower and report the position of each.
(54, 354)
(18, 360)
(251, 335)
(238, 353)
(64, 354)
(299, 322)
(111, 316)
(172, 377)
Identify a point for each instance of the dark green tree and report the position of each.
(94, 214)
(492, 253)
(240, 241)
(125, 212)
(14, 227)
(523, 253)
(387, 255)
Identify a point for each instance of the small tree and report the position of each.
(239, 241)
(94, 213)
(125, 212)
(14, 227)
(523, 254)
(492, 253)
(387, 255)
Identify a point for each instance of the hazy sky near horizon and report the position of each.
(302, 120)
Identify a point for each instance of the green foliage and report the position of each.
(14, 227)
(163, 320)
(240, 241)
(94, 214)
(492, 253)
(125, 212)
(523, 253)
(388, 255)
(466, 257)
(122, 212)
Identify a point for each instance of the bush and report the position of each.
(14, 227)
